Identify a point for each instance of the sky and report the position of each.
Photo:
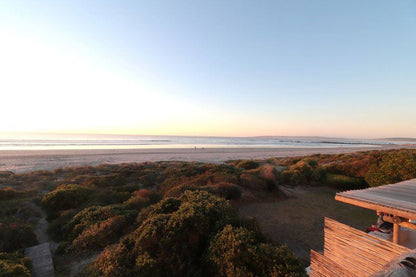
(209, 68)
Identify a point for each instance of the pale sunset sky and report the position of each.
(225, 68)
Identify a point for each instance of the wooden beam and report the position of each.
(403, 223)
(396, 232)
(375, 207)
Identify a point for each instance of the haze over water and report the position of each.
(82, 142)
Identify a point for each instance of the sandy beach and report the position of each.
(25, 161)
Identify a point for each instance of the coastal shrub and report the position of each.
(285, 177)
(173, 236)
(303, 168)
(251, 224)
(184, 236)
(9, 193)
(90, 216)
(101, 233)
(58, 228)
(143, 193)
(6, 174)
(110, 180)
(343, 182)
(177, 181)
(13, 264)
(393, 167)
(196, 175)
(225, 190)
(116, 260)
(142, 198)
(269, 173)
(318, 174)
(15, 236)
(66, 197)
(351, 164)
(237, 252)
(218, 177)
(17, 210)
(179, 190)
(253, 181)
(248, 164)
(136, 203)
(128, 188)
(94, 227)
(109, 196)
(303, 172)
(147, 180)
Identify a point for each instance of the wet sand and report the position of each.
(25, 160)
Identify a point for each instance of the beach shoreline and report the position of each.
(22, 161)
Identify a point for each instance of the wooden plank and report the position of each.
(322, 266)
(358, 251)
(42, 260)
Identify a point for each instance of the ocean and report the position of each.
(83, 142)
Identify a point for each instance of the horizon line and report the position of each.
(206, 136)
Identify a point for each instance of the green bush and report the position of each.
(236, 252)
(91, 216)
(303, 172)
(110, 180)
(108, 197)
(57, 228)
(9, 193)
(15, 265)
(93, 227)
(141, 198)
(116, 260)
(298, 178)
(66, 197)
(248, 164)
(285, 177)
(101, 233)
(270, 174)
(392, 168)
(253, 181)
(225, 190)
(175, 236)
(179, 190)
(343, 182)
(136, 203)
(15, 236)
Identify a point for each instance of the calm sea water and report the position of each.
(61, 142)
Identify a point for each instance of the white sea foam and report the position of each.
(67, 142)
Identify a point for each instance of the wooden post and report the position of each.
(396, 231)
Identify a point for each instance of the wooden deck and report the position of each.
(350, 252)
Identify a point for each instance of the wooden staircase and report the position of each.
(42, 260)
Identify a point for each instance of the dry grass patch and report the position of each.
(298, 222)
